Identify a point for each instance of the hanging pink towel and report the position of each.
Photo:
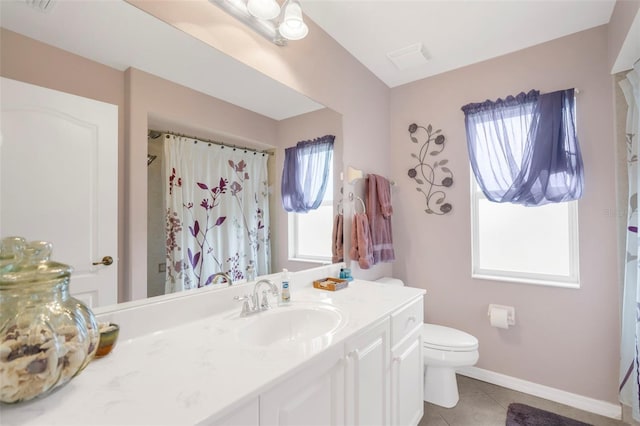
(383, 190)
(337, 246)
(361, 241)
(379, 211)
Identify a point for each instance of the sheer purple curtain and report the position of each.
(524, 149)
(306, 173)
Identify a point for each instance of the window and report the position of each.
(535, 245)
(527, 174)
(310, 233)
(307, 194)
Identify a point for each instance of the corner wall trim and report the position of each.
(591, 405)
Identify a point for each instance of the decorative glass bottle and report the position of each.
(46, 336)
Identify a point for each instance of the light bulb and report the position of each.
(263, 9)
(292, 26)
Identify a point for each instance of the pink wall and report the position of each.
(566, 339)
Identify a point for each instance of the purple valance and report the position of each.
(524, 149)
(509, 101)
(306, 173)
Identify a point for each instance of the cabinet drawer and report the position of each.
(405, 320)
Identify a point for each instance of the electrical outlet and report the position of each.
(162, 267)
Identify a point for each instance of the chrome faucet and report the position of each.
(264, 305)
(224, 275)
(252, 304)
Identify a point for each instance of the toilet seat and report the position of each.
(448, 339)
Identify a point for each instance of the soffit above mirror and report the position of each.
(119, 35)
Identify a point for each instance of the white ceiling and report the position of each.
(454, 33)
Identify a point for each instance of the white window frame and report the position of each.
(294, 231)
(293, 249)
(572, 280)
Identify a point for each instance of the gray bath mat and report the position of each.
(524, 415)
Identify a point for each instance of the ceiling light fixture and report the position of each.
(277, 24)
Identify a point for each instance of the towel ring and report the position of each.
(364, 209)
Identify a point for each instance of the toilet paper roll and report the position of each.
(499, 317)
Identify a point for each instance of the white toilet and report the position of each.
(444, 350)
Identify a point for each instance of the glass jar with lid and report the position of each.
(46, 336)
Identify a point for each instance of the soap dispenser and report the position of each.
(286, 294)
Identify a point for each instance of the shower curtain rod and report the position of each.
(211, 141)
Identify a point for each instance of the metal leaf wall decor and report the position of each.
(431, 174)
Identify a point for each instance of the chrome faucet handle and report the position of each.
(245, 298)
(246, 308)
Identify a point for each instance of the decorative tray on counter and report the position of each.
(331, 284)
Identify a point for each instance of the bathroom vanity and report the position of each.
(353, 356)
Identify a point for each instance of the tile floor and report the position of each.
(485, 404)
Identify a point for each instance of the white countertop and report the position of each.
(197, 369)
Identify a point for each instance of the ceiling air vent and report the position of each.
(41, 5)
(408, 57)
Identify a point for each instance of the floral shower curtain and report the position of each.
(217, 212)
(630, 339)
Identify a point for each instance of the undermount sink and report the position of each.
(311, 326)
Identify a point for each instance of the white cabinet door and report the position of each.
(314, 396)
(367, 376)
(407, 366)
(59, 181)
(246, 415)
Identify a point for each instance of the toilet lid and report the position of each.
(447, 338)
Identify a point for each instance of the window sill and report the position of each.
(309, 260)
(526, 280)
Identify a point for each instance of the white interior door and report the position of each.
(58, 181)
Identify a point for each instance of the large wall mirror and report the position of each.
(164, 80)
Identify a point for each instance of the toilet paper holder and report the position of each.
(511, 312)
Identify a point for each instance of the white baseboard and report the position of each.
(591, 405)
